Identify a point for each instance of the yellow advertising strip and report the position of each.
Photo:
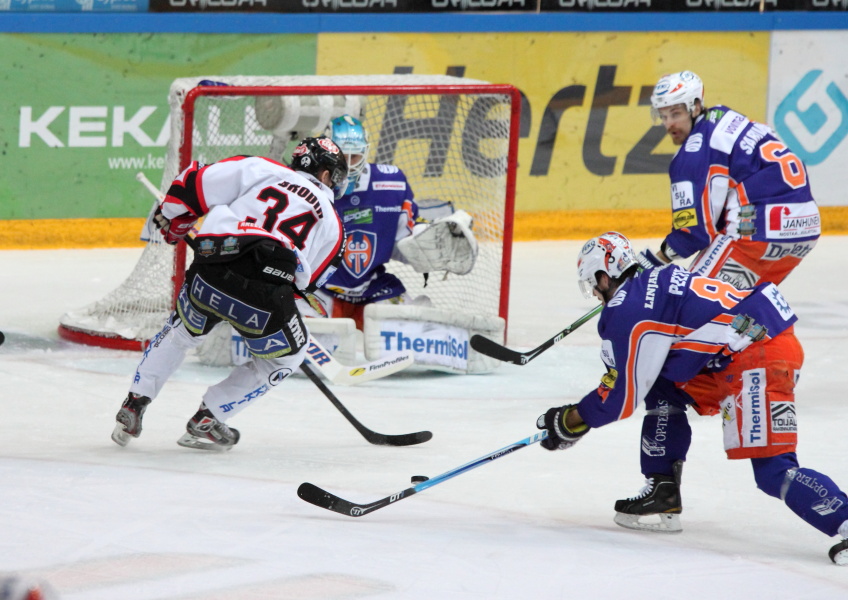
(71, 233)
(590, 141)
(529, 226)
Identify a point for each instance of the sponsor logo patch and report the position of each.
(389, 185)
(360, 216)
(753, 408)
(783, 417)
(682, 195)
(694, 143)
(684, 218)
(784, 221)
(778, 301)
(737, 275)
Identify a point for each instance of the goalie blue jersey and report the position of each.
(734, 176)
(378, 212)
(667, 325)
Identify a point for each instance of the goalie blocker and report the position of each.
(438, 338)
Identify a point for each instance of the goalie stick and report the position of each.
(323, 499)
(378, 439)
(491, 348)
(335, 371)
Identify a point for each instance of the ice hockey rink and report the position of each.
(157, 521)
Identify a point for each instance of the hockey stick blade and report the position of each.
(323, 499)
(491, 348)
(378, 439)
(341, 374)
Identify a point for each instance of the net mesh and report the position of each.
(451, 145)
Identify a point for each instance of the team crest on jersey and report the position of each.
(360, 251)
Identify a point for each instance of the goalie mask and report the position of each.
(350, 135)
(313, 155)
(677, 88)
(609, 253)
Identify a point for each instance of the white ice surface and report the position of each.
(157, 521)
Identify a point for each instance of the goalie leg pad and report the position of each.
(438, 338)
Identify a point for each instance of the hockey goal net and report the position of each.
(456, 140)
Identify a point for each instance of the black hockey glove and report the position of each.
(560, 437)
(173, 230)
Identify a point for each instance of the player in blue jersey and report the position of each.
(741, 205)
(664, 327)
(378, 208)
(382, 223)
(740, 199)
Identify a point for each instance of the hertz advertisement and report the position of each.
(590, 142)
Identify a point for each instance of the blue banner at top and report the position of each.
(73, 6)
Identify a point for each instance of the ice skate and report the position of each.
(657, 507)
(205, 432)
(129, 419)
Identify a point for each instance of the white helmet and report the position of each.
(677, 88)
(610, 252)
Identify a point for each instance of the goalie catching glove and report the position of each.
(446, 244)
(173, 230)
(560, 437)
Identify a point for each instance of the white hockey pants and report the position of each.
(240, 388)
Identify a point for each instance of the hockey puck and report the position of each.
(2, 338)
(419, 478)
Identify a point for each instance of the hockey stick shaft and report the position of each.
(150, 187)
(323, 499)
(491, 348)
(379, 439)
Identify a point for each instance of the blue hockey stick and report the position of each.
(315, 495)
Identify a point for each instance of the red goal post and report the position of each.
(455, 139)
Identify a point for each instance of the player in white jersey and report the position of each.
(268, 231)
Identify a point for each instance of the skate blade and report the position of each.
(120, 436)
(192, 441)
(659, 523)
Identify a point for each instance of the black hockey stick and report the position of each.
(379, 439)
(323, 499)
(491, 348)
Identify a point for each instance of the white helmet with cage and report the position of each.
(677, 88)
(610, 253)
(349, 134)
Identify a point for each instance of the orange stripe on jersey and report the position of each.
(642, 329)
(706, 204)
(724, 318)
(704, 347)
(407, 208)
